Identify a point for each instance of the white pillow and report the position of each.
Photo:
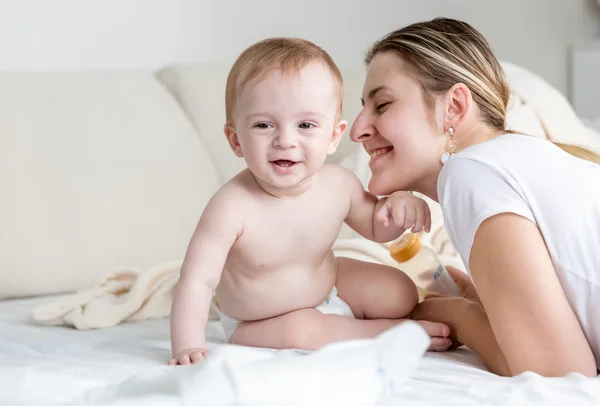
(97, 170)
(200, 89)
(552, 109)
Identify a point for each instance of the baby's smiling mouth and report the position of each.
(284, 163)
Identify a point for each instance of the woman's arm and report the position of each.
(469, 326)
(530, 316)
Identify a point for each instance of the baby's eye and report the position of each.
(306, 126)
(263, 126)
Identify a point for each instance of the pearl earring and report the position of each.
(450, 146)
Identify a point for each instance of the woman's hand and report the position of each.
(469, 325)
(464, 284)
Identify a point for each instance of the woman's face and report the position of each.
(397, 130)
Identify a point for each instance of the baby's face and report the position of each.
(286, 125)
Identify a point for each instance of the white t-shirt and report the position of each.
(537, 180)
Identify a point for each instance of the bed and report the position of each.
(126, 365)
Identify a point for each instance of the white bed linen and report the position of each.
(125, 365)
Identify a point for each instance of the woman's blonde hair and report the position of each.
(442, 52)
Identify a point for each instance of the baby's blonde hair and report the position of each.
(442, 52)
(288, 55)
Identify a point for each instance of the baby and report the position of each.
(263, 244)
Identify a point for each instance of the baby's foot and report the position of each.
(454, 312)
(438, 333)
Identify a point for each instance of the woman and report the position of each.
(523, 213)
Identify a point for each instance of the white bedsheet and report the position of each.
(125, 365)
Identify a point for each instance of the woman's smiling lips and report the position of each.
(377, 153)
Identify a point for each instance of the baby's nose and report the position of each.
(285, 139)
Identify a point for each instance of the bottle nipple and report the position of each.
(405, 247)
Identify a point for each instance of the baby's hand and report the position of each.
(190, 356)
(406, 211)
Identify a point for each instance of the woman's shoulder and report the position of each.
(517, 158)
(512, 157)
(480, 182)
(506, 147)
(488, 177)
(471, 167)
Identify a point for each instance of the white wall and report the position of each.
(585, 84)
(98, 34)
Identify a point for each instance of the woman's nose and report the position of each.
(361, 129)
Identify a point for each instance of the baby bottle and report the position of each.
(424, 264)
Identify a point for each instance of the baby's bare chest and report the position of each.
(301, 235)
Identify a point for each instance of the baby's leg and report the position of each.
(375, 291)
(379, 296)
(307, 329)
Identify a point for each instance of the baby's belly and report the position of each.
(247, 296)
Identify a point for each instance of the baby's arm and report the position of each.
(385, 219)
(217, 230)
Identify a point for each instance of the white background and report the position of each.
(100, 34)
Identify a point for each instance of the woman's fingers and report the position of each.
(432, 295)
(464, 283)
(457, 274)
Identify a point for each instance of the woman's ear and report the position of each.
(459, 102)
(234, 142)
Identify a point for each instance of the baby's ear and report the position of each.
(336, 137)
(234, 142)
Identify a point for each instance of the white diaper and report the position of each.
(335, 305)
(332, 305)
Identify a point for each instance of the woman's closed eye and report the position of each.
(379, 107)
